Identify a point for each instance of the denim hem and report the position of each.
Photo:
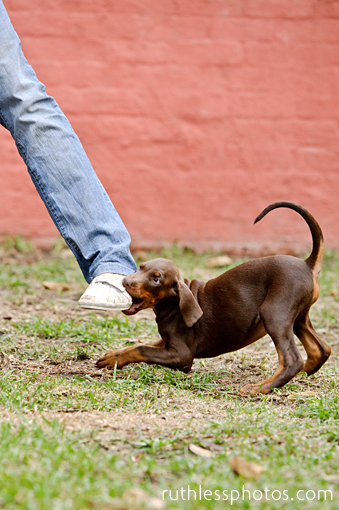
(113, 268)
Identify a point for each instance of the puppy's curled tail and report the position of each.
(314, 260)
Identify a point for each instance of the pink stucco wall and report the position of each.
(195, 114)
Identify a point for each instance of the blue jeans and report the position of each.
(58, 165)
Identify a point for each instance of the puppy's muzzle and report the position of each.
(137, 301)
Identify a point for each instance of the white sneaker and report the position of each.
(106, 292)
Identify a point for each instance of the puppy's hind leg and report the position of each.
(317, 350)
(279, 326)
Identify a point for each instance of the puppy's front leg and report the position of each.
(156, 353)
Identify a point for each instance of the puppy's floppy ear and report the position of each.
(189, 307)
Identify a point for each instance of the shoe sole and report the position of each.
(90, 305)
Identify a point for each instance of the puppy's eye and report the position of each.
(156, 278)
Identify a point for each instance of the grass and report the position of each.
(74, 437)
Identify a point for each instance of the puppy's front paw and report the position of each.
(254, 389)
(109, 360)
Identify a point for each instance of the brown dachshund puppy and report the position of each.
(200, 319)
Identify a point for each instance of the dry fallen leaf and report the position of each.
(244, 468)
(221, 261)
(301, 394)
(202, 452)
(56, 285)
(330, 478)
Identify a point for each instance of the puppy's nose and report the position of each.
(127, 282)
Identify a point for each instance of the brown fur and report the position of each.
(205, 319)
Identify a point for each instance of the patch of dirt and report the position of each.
(133, 423)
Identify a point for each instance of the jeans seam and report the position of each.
(52, 212)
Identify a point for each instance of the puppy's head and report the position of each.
(158, 280)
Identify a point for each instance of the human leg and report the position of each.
(58, 165)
